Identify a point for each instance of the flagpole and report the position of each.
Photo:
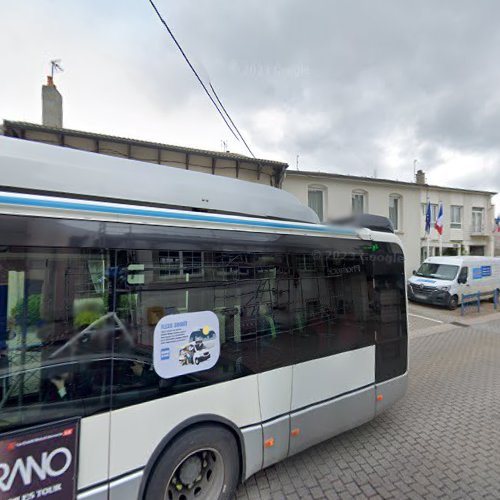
(428, 229)
(441, 226)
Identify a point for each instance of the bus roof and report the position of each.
(47, 169)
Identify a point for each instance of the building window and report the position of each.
(477, 220)
(172, 264)
(456, 217)
(395, 210)
(316, 200)
(359, 205)
(477, 250)
(434, 211)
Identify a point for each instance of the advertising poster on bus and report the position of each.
(40, 462)
(186, 343)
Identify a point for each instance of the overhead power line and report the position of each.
(160, 17)
(232, 123)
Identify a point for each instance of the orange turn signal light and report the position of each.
(380, 397)
(269, 443)
(295, 432)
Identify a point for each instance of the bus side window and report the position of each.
(392, 337)
(332, 296)
(55, 322)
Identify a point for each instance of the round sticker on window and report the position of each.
(186, 343)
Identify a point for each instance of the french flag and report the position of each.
(439, 220)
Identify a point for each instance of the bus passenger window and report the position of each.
(52, 306)
(332, 295)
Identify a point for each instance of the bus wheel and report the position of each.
(202, 463)
(453, 304)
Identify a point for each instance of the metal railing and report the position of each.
(474, 300)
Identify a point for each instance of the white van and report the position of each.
(443, 280)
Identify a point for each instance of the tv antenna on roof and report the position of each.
(55, 67)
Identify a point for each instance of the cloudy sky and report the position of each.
(360, 87)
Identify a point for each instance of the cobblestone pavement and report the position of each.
(441, 441)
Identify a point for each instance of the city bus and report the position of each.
(165, 334)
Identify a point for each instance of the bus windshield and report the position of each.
(437, 271)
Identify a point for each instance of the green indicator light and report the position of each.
(375, 247)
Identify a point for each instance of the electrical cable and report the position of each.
(232, 123)
(160, 17)
(191, 66)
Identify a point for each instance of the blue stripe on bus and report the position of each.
(166, 214)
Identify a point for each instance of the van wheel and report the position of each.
(202, 463)
(453, 304)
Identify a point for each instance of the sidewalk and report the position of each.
(421, 329)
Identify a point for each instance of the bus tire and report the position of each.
(453, 303)
(202, 462)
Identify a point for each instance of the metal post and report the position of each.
(478, 301)
(462, 306)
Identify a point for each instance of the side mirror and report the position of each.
(462, 281)
(414, 272)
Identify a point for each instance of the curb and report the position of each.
(444, 327)
(424, 332)
(482, 319)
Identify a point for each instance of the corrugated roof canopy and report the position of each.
(9, 124)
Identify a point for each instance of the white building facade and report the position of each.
(468, 214)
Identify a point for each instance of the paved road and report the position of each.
(442, 440)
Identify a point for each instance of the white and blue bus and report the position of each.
(196, 328)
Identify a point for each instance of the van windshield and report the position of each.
(437, 271)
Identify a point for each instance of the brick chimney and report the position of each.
(52, 110)
(420, 177)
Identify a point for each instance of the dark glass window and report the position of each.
(274, 309)
(462, 277)
(390, 304)
(76, 325)
(56, 335)
(332, 305)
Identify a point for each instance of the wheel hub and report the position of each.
(190, 470)
(200, 476)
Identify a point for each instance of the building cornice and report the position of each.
(361, 179)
